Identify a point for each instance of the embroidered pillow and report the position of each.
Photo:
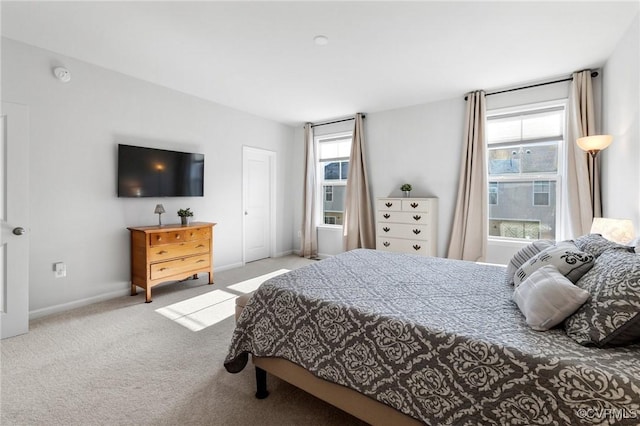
(565, 256)
(596, 244)
(547, 297)
(524, 254)
(612, 316)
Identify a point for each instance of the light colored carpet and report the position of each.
(120, 362)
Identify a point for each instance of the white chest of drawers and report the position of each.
(407, 225)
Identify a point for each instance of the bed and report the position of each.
(402, 339)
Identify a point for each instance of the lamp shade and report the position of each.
(594, 143)
(618, 230)
(159, 208)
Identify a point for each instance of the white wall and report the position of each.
(76, 216)
(621, 116)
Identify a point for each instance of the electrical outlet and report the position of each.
(60, 269)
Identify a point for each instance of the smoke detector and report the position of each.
(62, 74)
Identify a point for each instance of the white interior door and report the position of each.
(14, 216)
(259, 202)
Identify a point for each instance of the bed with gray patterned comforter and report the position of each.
(439, 340)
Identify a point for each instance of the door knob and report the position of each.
(246, 213)
(19, 231)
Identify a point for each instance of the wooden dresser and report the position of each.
(169, 252)
(408, 225)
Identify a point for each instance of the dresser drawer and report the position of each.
(193, 234)
(165, 252)
(177, 266)
(388, 204)
(168, 237)
(410, 205)
(401, 230)
(176, 236)
(402, 217)
(400, 245)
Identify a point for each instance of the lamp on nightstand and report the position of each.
(159, 210)
(617, 230)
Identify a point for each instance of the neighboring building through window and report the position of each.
(333, 155)
(525, 163)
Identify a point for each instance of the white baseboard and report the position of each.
(285, 253)
(38, 313)
(229, 266)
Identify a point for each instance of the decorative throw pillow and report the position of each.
(612, 316)
(547, 297)
(565, 256)
(524, 254)
(596, 244)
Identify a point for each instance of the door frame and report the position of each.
(272, 198)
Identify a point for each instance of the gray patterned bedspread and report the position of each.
(440, 340)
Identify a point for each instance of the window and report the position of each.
(525, 163)
(541, 193)
(493, 193)
(333, 154)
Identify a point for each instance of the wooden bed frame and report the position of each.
(348, 400)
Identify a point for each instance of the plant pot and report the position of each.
(407, 194)
(185, 220)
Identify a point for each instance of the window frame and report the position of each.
(557, 177)
(320, 180)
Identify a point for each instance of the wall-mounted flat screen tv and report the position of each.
(151, 172)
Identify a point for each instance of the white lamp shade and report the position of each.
(594, 143)
(159, 208)
(618, 230)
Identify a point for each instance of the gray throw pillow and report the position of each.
(565, 256)
(524, 254)
(596, 244)
(611, 317)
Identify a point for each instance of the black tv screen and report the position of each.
(150, 172)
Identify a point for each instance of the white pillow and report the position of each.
(546, 298)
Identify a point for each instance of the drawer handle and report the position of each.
(200, 261)
(386, 215)
(388, 204)
(416, 231)
(163, 252)
(200, 246)
(158, 238)
(417, 217)
(414, 205)
(178, 236)
(416, 247)
(163, 269)
(386, 244)
(386, 229)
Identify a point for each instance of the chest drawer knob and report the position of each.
(416, 231)
(178, 236)
(417, 217)
(388, 204)
(416, 247)
(386, 229)
(414, 205)
(163, 252)
(200, 246)
(386, 215)
(386, 244)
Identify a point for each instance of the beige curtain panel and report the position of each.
(582, 202)
(309, 235)
(358, 226)
(469, 233)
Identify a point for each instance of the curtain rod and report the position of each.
(594, 74)
(335, 121)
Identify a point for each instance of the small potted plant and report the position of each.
(185, 215)
(406, 188)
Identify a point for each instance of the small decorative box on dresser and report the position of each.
(169, 252)
(407, 225)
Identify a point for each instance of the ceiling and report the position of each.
(260, 57)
